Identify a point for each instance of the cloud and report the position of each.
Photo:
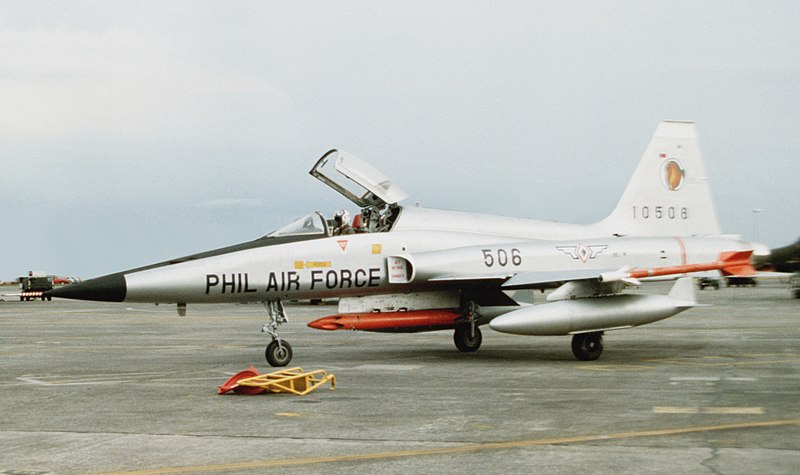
(191, 124)
(232, 203)
(127, 83)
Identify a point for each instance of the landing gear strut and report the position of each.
(467, 336)
(587, 346)
(278, 352)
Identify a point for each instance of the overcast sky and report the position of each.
(133, 132)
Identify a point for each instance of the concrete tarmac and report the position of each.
(122, 388)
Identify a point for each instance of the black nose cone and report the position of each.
(110, 288)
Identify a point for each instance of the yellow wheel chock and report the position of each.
(292, 380)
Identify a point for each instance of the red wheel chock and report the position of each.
(293, 380)
(232, 384)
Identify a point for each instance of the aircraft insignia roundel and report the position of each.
(672, 175)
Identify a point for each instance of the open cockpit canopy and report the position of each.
(357, 180)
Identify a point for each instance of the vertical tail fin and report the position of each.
(669, 192)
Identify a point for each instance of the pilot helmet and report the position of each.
(341, 216)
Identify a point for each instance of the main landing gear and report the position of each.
(467, 336)
(278, 352)
(587, 346)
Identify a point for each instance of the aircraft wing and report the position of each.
(442, 267)
(470, 278)
(525, 280)
(532, 280)
(570, 284)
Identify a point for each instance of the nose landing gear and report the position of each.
(278, 352)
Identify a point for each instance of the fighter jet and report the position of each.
(411, 269)
(783, 259)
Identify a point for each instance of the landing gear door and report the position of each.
(357, 180)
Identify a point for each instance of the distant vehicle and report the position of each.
(34, 286)
(735, 281)
(704, 282)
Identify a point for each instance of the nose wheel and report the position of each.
(278, 352)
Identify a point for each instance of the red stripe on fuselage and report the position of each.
(683, 250)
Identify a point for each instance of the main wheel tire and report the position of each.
(278, 354)
(587, 346)
(465, 340)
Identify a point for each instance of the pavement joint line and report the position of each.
(708, 410)
(514, 444)
(728, 363)
(615, 368)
